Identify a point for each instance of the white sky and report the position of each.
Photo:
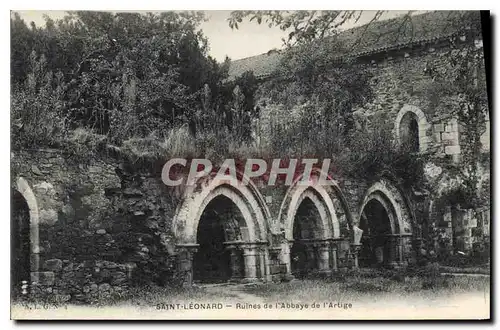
(249, 40)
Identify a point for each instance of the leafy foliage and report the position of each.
(122, 75)
(304, 26)
(462, 88)
(37, 107)
(321, 90)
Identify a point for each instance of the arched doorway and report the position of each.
(218, 258)
(409, 132)
(20, 242)
(311, 216)
(218, 220)
(307, 229)
(387, 222)
(376, 242)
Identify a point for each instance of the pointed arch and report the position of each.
(196, 197)
(328, 199)
(386, 220)
(393, 201)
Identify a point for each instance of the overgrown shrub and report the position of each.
(37, 107)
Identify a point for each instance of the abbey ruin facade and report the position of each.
(87, 227)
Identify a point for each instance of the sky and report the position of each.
(249, 40)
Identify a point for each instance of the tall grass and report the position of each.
(360, 287)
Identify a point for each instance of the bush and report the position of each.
(179, 143)
(37, 108)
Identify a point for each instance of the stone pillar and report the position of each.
(343, 252)
(185, 254)
(355, 249)
(236, 271)
(311, 255)
(334, 256)
(34, 263)
(263, 259)
(286, 256)
(324, 257)
(395, 250)
(398, 244)
(249, 254)
(267, 265)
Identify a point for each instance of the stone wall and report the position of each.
(402, 82)
(71, 250)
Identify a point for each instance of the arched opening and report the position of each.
(20, 242)
(216, 220)
(307, 227)
(376, 243)
(217, 260)
(409, 132)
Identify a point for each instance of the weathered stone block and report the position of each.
(118, 278)
(36, 170)
(452, 150)
(104, 287)
(437, 136)
(48, 217)
(95, 169)
(43, 278)
(438, 127)
(476, 232)
(449, 136)
(54, 265)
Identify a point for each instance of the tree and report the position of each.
(462, 88)
(123, 74)
(313, 70)
(304, 26)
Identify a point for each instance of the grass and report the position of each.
(350, 286)
(360, 287)
(466, 270)
(152, 295)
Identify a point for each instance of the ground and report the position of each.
(355, 295)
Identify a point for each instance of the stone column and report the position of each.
(355, 249)
(333, 252)
(286, 256)
(324, 257)
(249, 254)
(405, 246)
(395, 250)
(236, 271)
(185, 254)
(267, 264)
(263, 260)
(309, 251)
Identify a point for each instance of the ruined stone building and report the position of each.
(85, 227)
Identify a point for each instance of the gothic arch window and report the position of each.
(408, 132)
(411, 129)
